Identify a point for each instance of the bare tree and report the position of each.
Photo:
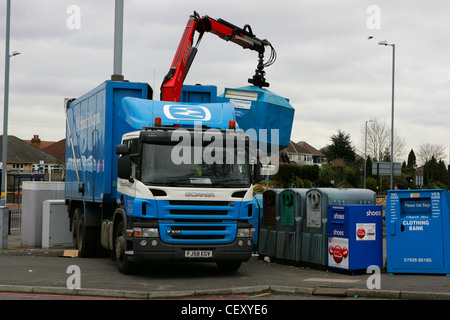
(428, 150)
(379, 141)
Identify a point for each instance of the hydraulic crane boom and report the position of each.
(173, 81)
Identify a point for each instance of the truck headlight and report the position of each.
(245, 232)
(146, 232)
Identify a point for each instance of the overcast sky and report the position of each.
(335, 78)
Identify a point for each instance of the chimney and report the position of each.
(36, 141)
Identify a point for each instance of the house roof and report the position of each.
(310, 148)
(295, 148)
(20, 151)
(57, 149)
(37, 142)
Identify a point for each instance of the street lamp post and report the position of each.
(384, 43)
(365, 153)
(5, 106)
(4, 186)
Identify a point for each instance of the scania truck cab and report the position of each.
(177, 187)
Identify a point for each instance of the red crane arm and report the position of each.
(173, 81)
(185, 54)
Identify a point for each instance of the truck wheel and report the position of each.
(125, 266)
(75, 221)
(84, 237)
(229, 266)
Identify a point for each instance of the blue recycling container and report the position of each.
(264, 110)
(418, 231)
(314, 239)
(355, 236)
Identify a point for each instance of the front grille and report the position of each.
(197, 232)
(197, 222)
(191, 228)
(200, 212)
(198, 203)
(198, 237)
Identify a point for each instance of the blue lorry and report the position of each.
(141, 183)
(172, 180)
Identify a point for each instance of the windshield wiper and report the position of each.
(226, 182)
(173, 183)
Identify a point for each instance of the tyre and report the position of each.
(84, 238)
(75, 222)
(120, 243)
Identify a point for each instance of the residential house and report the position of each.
(298, 154)
(317, 155)
(56, 149)
(26, 160)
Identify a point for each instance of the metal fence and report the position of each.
(15, 217)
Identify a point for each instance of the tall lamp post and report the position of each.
(4, 190)
(5, 106)
(384, 43)
(365, 154)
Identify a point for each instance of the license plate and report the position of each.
(198, 254)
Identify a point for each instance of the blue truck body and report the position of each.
(95, 125)
(148, 215)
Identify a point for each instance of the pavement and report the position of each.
(256, 276)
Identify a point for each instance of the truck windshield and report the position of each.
(198, 167)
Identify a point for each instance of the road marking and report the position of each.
(260, 295)
(331, 280)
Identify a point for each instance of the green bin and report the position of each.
(290, 224)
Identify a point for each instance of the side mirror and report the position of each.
(256, 172)
(124, 162)
(124, 167)
(122, 149)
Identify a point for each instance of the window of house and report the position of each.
(18, 166)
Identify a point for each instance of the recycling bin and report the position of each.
(355, 236)
(314, 237)
(290, 224)
(252, 105)
(417, 231)
(268, 228)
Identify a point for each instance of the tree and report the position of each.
(289, 175)
(435, 174)
(340, 148)
(379, 141)
(411, 160)
(430, 150)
